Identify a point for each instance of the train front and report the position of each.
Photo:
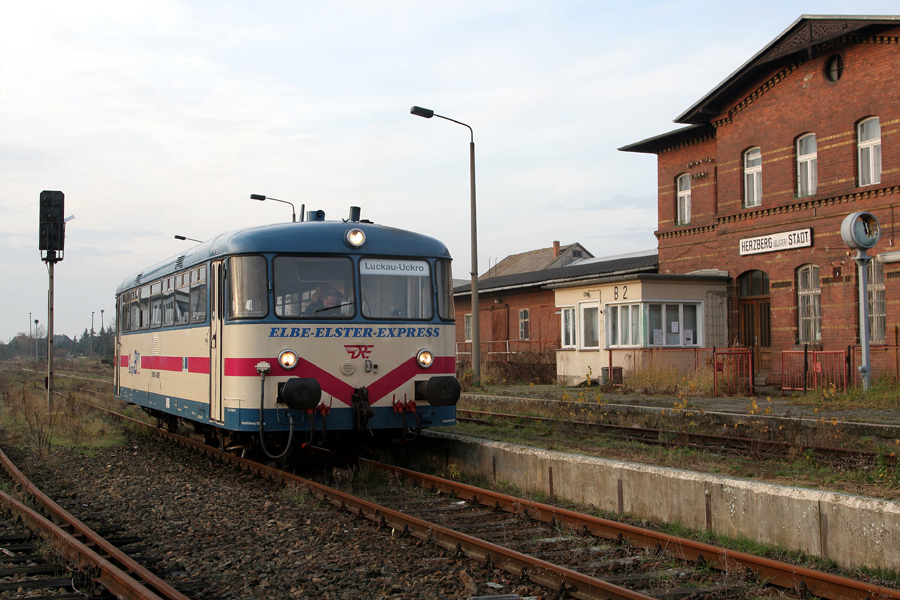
(360, 336)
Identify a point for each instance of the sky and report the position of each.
(160, 118)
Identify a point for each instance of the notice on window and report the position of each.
(688, 336)
(657, 337)
(385, 266)
(674, 327)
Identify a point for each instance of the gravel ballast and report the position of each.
(247, 537)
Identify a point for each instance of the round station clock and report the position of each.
(860, 230)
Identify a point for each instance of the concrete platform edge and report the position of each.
(854, 531)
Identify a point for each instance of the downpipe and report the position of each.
(263, 368)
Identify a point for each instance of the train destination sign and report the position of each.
(786, 240)
(385, 266)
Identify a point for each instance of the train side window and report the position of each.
(444, 289)
(168, 301)
(134, 308)
(125, 311)
(144, 307)
(248, 286)
(182, 299)
(156, 304)
(198, 295)
(313, 287)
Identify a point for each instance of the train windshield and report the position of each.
(395, 288)
(445, 289)
(314, 287)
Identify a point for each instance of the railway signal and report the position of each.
(52, 231)
(51, 243)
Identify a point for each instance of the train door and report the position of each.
(216, 320)
(117, 346)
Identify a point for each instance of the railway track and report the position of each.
(576, 554)
(701, 441)
(734, 445)
(93, 562)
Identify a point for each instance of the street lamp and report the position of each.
(35, 340)
(181, 237)
(101, 332)
(261, 198)
(476, 331)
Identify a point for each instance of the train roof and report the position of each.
(320, 237)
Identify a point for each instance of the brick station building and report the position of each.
(772, 161)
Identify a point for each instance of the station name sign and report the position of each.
(786, 240)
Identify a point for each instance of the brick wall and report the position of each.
(785, 103)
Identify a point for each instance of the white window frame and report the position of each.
(807, 166)
(623, 325)
(877, 302)
(568, 327)
(467, 327)
(809, 305)
(524, 324)
(869, 152)
(673, 311)
(584, 322)
(683, 203)
(752, 177)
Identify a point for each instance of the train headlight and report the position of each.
(425, 358)
(356, 238)
(288, 359)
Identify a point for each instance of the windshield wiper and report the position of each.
(318, 310)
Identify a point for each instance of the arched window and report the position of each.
(807, 157)
(752, 177)
(869, 151)
(809, 311)
(684, 199)
(877, 308)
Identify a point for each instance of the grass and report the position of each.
(879, 481)
(27, 419)
(884, 394)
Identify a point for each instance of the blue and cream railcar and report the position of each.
(309, 327)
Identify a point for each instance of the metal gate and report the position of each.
(802, 370)
(734, 371)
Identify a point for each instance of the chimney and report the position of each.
(556, 249)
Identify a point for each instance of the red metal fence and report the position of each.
(733, 371)
(801, 371)
(625, 363)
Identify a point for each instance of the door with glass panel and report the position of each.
(754, 306)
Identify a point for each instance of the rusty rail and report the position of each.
(802, 579)
(825, 585)
(115, 578)
(650, 435)
(540, 572)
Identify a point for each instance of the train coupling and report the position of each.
(362, 411)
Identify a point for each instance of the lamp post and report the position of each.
(261, 198)
(101, 333)
(35, 340)
(181, 237)
(476, 331)
(91, 340)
